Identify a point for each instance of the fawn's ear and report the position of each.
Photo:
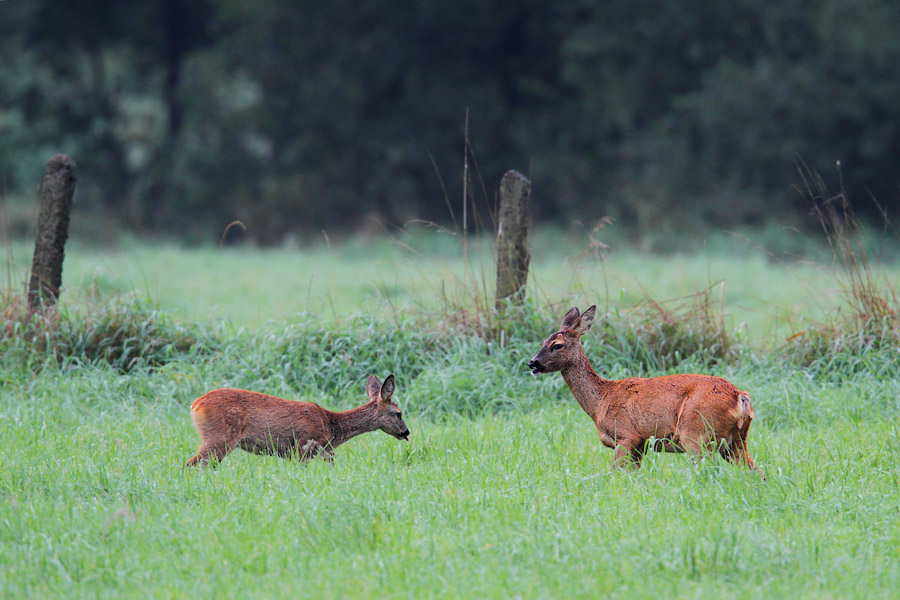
(373, 386)
(570, 320)
(387, 388)
(585, 322)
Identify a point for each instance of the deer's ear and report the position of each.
(570, 320)
(373, 386)
(387, 388)
(585, 322)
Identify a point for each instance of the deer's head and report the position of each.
(562, 348)
(389, 419)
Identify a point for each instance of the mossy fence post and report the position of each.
(57, 189)
(513, 255)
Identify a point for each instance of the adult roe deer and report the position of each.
(678, 412)
(262, 424)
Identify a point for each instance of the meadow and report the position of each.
(503, 489)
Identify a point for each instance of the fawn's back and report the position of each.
(262, 424)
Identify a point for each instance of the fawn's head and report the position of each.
(388, 418)
(562, 348)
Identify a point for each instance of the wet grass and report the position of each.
(95, 501)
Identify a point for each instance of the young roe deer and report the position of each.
(677, 412)
(227, 419)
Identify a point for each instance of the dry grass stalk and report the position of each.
(872, 300)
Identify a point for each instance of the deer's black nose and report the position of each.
(535, 366)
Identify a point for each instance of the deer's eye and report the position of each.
(556, 346)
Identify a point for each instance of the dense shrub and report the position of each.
(124, 333)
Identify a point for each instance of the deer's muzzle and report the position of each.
(536, 367)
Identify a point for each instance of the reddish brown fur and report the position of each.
(678, 412)
(228, 418)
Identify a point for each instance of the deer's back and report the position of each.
(655, 405)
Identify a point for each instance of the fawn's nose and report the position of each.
(535, 366)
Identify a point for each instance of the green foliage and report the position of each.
(834, 351)
(657, 337)
(298, 116)
(126, 335)
(313, 359)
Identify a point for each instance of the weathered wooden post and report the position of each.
(57, 190)
(512, 238)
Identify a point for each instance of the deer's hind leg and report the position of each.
(695, 436)
(736, 453)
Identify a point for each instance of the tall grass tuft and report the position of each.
(654, 336)
(870, 320)
(658, 336)
(125, 333)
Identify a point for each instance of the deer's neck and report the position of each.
(588, 388)
(350, 423)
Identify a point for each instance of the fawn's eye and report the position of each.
(556, 346)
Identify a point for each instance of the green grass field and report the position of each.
(503, 489)
(768, 296)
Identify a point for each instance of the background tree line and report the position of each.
(184, 115)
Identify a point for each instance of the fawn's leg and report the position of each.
(205, 452)
(309, 450)
(218, 451)
(312, 449)
(219, 435)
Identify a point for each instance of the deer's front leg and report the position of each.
(629, 454)
(311, 449)
(611, 442)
